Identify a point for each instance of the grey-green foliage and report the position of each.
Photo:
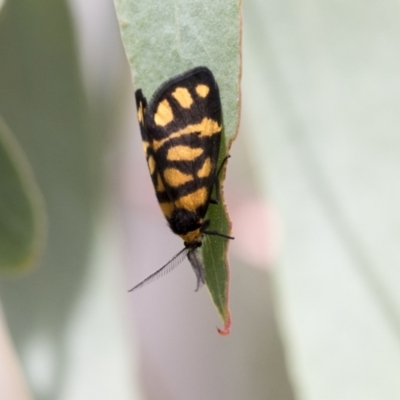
(43, 100)
(22, 220)
(322, 116)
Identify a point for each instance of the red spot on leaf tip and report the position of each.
(225, 331)
(227, 328)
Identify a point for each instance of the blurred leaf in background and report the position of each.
(65, 135)
(321, 112)
(22, 218)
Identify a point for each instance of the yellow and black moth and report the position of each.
(181, 133)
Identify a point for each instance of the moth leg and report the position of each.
(216, 182)
(215, 233)
(204, 230)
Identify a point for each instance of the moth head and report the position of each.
(192, 239)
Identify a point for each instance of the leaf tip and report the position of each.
(227, 326)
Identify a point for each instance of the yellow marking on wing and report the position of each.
(191, 237)
(176, 178)
(160, 185)
(152, 164)
(164, 114)
(202, 90)
(183, 97)
(167, 208)
(140, 113)
(207, 127)
(193, 201)
(205, 170)
(183, 153)
(145, 146)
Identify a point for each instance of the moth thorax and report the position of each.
(183, 221)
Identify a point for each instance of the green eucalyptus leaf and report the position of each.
(163, 39)
(22, 219)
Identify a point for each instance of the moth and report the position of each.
(181, 133)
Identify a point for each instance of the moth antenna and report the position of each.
(165, 269)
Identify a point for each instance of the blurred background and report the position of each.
(312, 190)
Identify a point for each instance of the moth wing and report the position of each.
(163, 198)
(184, 125)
